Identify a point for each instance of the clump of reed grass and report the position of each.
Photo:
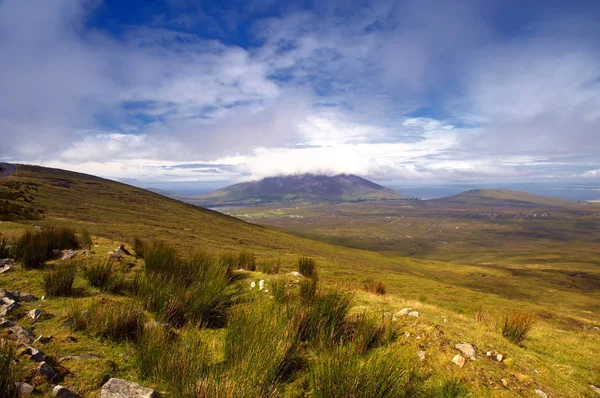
(58, 281)
(34, 247)
(369, 331)
(323, 320)
(516, 328)
(375, 287)
(242, 260)
(8, 370)
(102, 275)
(113, 321)
(85, 239)
(307, 266)
(139, 247)
(6, 250)
(269, 266)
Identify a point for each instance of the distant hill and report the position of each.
(502, 198)
(300, 187)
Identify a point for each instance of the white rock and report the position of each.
(466, 349)
(63, 392)
(25, 389)
(421, 355)
(458, 360)
(488, 354)
(69, 254)
(445, 320)
(414, 314)
(252, 285)
(595, 389)
(296, 274)
(261, 284)
(403, 312)
(118, 388)
(504, 382)
(34, 314)
(541, 393)
(499, 357)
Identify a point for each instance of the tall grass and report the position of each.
(323, 320)
(58, 281)
(6, 250)
(270, 266)
(242, 260)
(368, 331)
(139, 247)
(33, 247)
(113, 321)
(516, 328)
(375, 287)
(85, 239)
(307, 266)
(103, 276)
(8, 370)
(342, 373)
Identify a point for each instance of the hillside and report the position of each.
(501, 198)
(448, 297)
(300, 187)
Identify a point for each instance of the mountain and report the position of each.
(299, 187)
(505, 198)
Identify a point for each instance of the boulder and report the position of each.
(540, 393)
(466, 349)
(403, 312)
(34, 314)
(69, 254)
(25, 389)
(63, 392)
(118, 388)
(121, 251)
(24, 296)
(20, 334)
(458, 360)
(35, 354)
(43, 339)
(47, 371)
(415, 314)
(8, 308)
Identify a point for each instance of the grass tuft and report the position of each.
(85, 239)
(6, 250)
(323, 321)
(270, 266)
(58, 281)
(307, 266)
(8, 370)
(34, 247)
(516, 327)
(375, 287)
(139, 247)
(102, 275)
(113, 321)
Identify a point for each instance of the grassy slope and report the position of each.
(453, 291)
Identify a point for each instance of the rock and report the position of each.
(403, 312)
(540, 393)
(458, 360)
(83, 357)
(488, 354)
(5, 323)
(504, 382)
(296, 274)
(261, 284)
(25, 389)
(69, 254)
(43, 340)
(70, 339)
(445, 320)
(24, 297)
(421, 355)
(21, 334)
(118, 388)
(7, 261)
(466, 349)
(595, 389)
(415, 314)
(63, 392)
(34, 314)
(35, 354)
(121, 251)
(47, 371)
(499, 357)
(252, 285)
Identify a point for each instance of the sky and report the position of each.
(209, 93)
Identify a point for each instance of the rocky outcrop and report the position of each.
(118, 388)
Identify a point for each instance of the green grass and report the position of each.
(307, 266)
(58, 280)
(8, 370)
(114, 321)
(34, 247)
(102, 275)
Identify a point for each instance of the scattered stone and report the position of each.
(421, 355)
(415, 314)
(296, 274)
(488, 354)
(83, 357)
(42, 340)
(70, 339)
(21, 334)
(63, 392)
(406, 334)
(25, 389)
(69, 254)
(121, 251)
(35, 355)
(6, 265)
(5, 323)
(47, 371)
(445, 320)
(458, 360)
(24, 297)
(499, 357)
(596, 328)
(466, 349)
(595, 389)
(34, 314)
(403, 312)
(252, 285)
(541, 393)
(261, 284)
(118, 388)
(504, 382)
(561, 331)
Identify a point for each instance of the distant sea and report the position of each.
(574, 192)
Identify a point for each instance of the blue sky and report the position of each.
(211, 93)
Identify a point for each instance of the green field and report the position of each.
(448, 262)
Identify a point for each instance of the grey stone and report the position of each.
(595, 389)
(415, 314)
(8, 308)
(5, 268)
(47, 371)
(118, 388)
(25, 389)
(34, 314)
(540, 393)
(82, 357)
(466, 349)
(63, 392)
(69, 254)
(5, 323)
(458, 360)
(403, 312)
(21, 334)
(7, 261)
(421, 355)
(24, 297)
(121, 251)
(43, 340)
(35, 354)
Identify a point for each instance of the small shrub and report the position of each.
(85, 239)
(270, 266)
(139, 247)
(58, 281)
(8, 371)
(307, 266)
(517, 327)
(375, 287)
(103, 276)
(113, 321)
(341, 372)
